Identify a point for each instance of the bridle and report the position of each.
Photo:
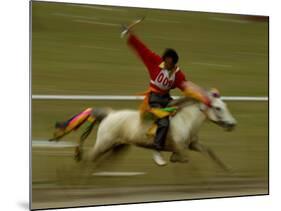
(204, 109)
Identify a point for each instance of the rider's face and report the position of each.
(169, 65)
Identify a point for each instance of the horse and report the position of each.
(120, 128)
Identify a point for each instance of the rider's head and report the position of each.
(170, 58)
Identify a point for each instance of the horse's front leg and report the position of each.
(208, 152)
(179, 154)
(179, 157)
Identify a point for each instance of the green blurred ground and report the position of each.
(76, 49)
(244, 149)
(74, 53)
(59, 181)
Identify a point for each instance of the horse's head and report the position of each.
(219, 112)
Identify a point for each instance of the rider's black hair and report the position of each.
(169, 52)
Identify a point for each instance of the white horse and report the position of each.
(126, 127)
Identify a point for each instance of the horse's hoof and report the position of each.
(228, 169)
(78, 155)
(185, 160)
(178, 158)
(173, 160)
(77, 158)
(179, 161)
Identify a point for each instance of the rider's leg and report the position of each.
(160, 101)
(161, 132)
(159, 141)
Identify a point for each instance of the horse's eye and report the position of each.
(218, 108)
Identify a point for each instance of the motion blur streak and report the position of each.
(229, 52)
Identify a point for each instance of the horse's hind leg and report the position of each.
(104, 143)
(98, 151)
(111, 154)
(114, 156)
(79, 149)
(196, 146)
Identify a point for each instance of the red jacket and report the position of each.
(160, 80)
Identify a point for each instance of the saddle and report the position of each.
(157, 113)
(149, 113)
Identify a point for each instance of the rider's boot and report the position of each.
(158, 158)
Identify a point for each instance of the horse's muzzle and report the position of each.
(229, 126)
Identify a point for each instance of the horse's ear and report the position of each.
(215, 93)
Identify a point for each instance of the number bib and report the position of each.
(163, 81)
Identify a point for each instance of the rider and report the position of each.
(164, 76)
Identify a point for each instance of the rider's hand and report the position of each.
(128, 29)
(125, 31)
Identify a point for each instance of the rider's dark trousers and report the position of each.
(160, 101)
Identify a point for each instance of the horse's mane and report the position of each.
(182, 102)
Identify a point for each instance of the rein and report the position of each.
(204, 110)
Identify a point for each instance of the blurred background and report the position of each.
(77, 50)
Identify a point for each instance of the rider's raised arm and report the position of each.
(192, 90)
(148, 57)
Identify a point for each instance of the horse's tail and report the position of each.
(89, 115)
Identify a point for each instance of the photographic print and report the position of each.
(135, 105)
